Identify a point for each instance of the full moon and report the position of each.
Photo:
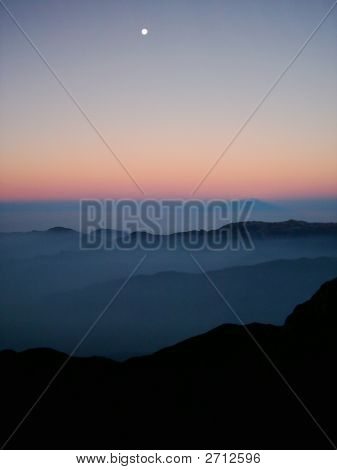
(145, 32)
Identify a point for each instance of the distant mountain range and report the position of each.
(233, 387)
(62, 239)
(255, 228)
(20, 216)
(288, 228)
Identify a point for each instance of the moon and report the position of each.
(145, 32)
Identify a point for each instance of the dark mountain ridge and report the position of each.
(289, 227)
(217, 390)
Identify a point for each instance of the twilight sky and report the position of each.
(167, 103)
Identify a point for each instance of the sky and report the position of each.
(167, 103)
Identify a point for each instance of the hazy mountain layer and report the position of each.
(158, 310)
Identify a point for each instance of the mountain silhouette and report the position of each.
(289, 227)
(60, 230)
(255, 386)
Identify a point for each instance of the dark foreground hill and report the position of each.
(217, 390)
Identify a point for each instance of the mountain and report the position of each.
(221, 237)
(60, 230)
(155, 310)
(287, 227)
(218, 390)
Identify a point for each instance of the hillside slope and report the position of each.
(217, 390)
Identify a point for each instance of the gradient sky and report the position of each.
(167, 103)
